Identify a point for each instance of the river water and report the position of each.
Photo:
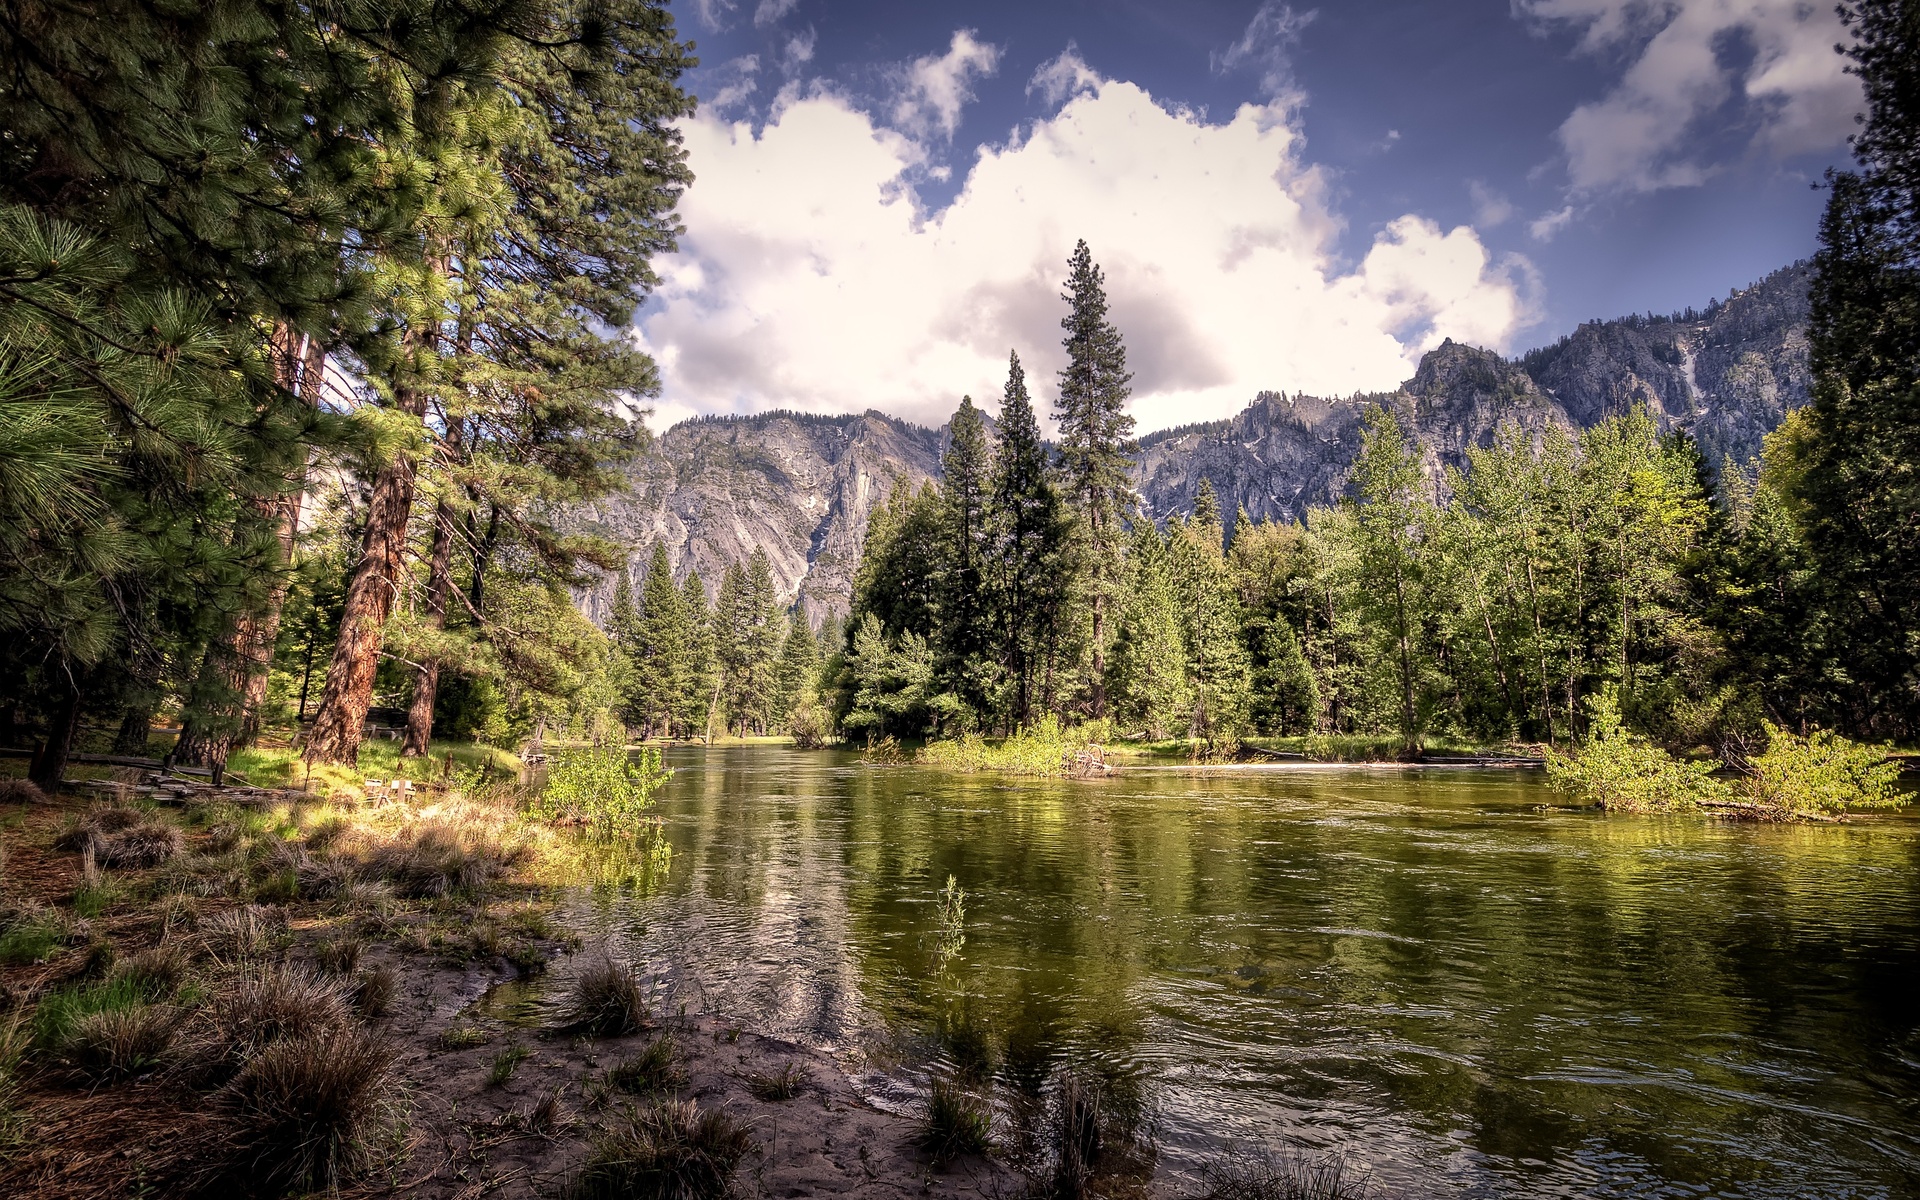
(1470, 991)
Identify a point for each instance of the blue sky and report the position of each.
(1289, 197)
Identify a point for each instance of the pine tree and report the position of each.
(1390, 521)
(699, 704)
(1028, 536)
(965, 634)
(661, 666)
(1862, 491)
(797, 673)
(1096, 439)
(1218, 674)
(1151, 688)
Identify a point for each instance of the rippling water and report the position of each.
(1472, 996)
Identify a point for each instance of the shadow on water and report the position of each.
(1465, 992)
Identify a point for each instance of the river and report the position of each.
(1469, 989)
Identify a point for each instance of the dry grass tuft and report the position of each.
(784, 1084)
(21, 791)
(302, 1109)
(654, 1069)
(158, 972)
(255, 1012)
(1242, 1175)
(607, 1000)
(442, 860)
(372, 993)
(118, 1043)
(674, 1150)
(237, 933)
(122, 837)
(959, 1122)
(147, 844)
(340, 955)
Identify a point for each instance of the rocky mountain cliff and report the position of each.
(802, 487)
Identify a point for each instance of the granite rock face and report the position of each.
(799, 487)
(1727, 376)
(802, 487)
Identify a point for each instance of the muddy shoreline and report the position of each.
(477, 1104)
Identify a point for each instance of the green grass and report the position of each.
(1338, 748)
(506, 1063)
(277, 766)
(59, 1011)
(30, 941)
(652, 1070)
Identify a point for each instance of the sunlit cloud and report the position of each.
(812, 276)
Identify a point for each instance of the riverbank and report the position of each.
(133, 937)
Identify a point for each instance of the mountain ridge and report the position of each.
(802, 486)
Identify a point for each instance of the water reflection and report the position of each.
(1471, 996)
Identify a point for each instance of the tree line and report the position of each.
(1489, 603)
(377, 252)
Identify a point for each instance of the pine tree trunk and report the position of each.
(49, 763)
(232, 684)
(1099, 699)
(340, 722)
(136, 727)
(439, 586)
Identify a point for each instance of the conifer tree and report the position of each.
(1096, 440)
(1861, 488)
(700, 699)
(1218, 674)
(1028, 531)
(1151, 688)
(796, 676)
(661, 664)
(1390, 523)
(965, 633)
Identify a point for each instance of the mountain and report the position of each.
(1726, 376)
(802, 487)
(798, 486)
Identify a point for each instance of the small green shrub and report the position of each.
(1620, 770)
(605, 789)
(674, 1150)
(654, 1069)
(1043, 749)
(1820, 774)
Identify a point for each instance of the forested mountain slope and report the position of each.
(801, 487)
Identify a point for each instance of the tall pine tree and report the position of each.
(1096, 441)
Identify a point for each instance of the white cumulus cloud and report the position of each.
(811, 277)
(1768, 65)
(931, 91)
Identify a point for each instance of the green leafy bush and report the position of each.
(1620, 770)
(604, 788)
(1821, 773)
(1045, 748)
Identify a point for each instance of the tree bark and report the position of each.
(426, 682)
(49, 764)
(340, 721)
(232, 684)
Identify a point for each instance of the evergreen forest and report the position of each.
(305, 359)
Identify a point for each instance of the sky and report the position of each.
(1281, 197)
